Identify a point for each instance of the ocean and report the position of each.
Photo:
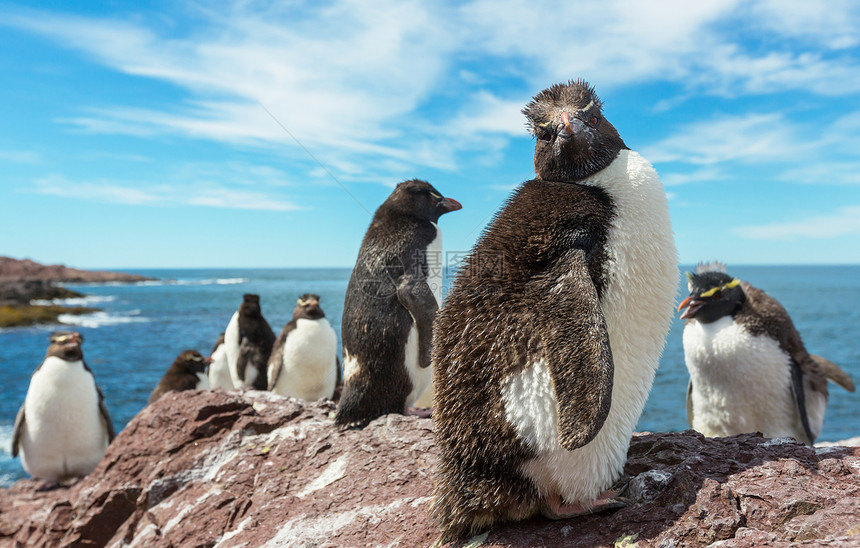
(144, 326)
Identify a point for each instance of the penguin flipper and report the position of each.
(799, 393)
(414, 294)
(107, 423)
(690, 403)
(577, 351)
(17, 429)
(277, 357)
(834, 373)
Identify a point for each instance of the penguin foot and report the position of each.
(423, 412)
(555, 508)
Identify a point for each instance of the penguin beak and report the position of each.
(565, 120)
(692, 305)
(208, 360)
(450, 204)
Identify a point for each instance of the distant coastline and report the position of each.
(31, 294)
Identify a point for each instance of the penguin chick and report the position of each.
(391, 301)
(219, 369)
(749, 370)
(188, 372)
(63, 427)
(304, 360)
(548, 342)
(248, 341)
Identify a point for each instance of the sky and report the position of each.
(153, 134)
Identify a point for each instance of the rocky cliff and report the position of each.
(230, 469)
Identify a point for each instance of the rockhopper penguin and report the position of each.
(248, 342)
(187, 372)
(546, 348)
(219, 370)
(63, 428)
(391, 301)
(304, 359)
(749, 370)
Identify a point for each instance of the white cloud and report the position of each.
(358, 84)
(19, 156)
(844, 222)
(226, 186)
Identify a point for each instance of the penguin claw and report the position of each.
(556, 508)
(423, 412)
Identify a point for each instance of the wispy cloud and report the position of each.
(844, 222)
(227, 186)
(19, 156)
(363, 81)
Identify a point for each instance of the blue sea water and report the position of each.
(144, 326)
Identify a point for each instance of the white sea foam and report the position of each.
(181, 282)
(100, 319)
(5, 441)
(75, 301)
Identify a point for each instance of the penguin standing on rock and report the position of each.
(304, 359)
(749, 370)
(219, 370)
(546, 348)
(248, 342)
(391, 301)
(188, 372)
(63, 428)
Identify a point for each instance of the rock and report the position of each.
(247, 469)
(25, 269)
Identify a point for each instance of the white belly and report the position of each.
(63, 434)
(420, 377)
(424, 377)
(638, 305)
(309, 366)
(741, 383)
(231, 347)
(219, 371)
(435, 266)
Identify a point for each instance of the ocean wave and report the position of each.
(6, 440)
(75, 301)
(180, 282)
(101, 319)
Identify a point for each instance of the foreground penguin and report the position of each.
(392, 298)
(63, 428)
(248, 343)
(548, 343)
(187, 372)
(749, 370)
(304, 359)
(219, 369)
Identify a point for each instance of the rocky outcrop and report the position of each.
(25, 281)
(230, 469)
(25, 269)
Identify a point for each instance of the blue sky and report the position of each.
(264, 134)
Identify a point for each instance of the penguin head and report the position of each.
(712, 296)
(191, 361)
(420, 199)
(574, 140)
(308, 306)
(250, 305)
(66, 345)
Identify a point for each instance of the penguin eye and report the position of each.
(542, 131)
(593, 120)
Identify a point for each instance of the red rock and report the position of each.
(230, 469)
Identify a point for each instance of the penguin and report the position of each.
(304, 359)
(749, 370)
(548, 342)
(219, 370)
(63, 427)
(188, 372)
(248, 342)
(393, 294)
